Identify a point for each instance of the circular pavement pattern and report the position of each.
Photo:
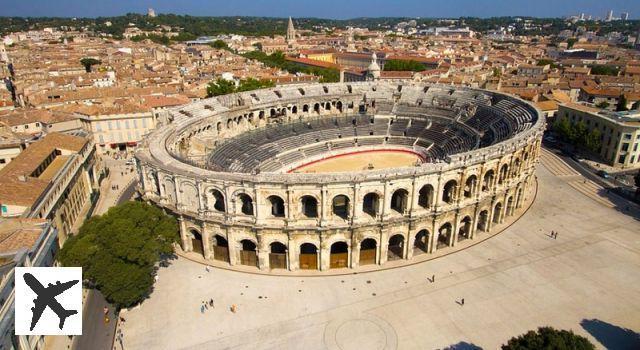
(363, 332)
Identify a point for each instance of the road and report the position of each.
(96, 334)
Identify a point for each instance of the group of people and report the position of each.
(554, 234)
(206, 305)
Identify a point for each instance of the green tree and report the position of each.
(404, 65)
(119, 250)
(571, 42)
(87, 62)
(600, 69)
(547, 338)
(254, 84)
(563, 128)
(603, 105)
(220, 45)
(220, 87)
(593, 140)
(622, 104)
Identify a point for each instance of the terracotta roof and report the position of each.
(28, 116)
(547, 105)
(314, 63)
(19, 233)
(155, 101)
(17, 185)
(396, 74)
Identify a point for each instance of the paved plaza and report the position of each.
(585, 280)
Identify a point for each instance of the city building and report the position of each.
(52, 179)
(23, 243)
(620, 132)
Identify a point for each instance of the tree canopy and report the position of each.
(278, 60)
(404, 65)
(222, 86)
(87, 62)
(622, 104)
(578, 134)
(119, 250)
(548, 338)
(600, 69)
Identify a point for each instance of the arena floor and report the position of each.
(516, 281)
(359, 161)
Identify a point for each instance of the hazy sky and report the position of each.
(321, 8)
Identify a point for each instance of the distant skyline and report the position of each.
(335, 9)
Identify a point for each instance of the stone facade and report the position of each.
(323, 221)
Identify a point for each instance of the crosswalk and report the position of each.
(556, 165)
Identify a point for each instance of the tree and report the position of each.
(404, 65)
(622, 104)
(87, 62)
(254, 84)
(600, 69)
(636, 105)
(603, 105)
(571, 42)
(548, 338)
(119, 250)
(220, 45)
(593, 140)
(220, 87)
(563, 128)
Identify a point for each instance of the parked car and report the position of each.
(603, 174)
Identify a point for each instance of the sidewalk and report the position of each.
(120, 175)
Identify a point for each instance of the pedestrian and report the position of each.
(207, 268)
(201, 309)
(105, 310)
(556, 234)
(433, 278)
(233, 308)
(462, 301)
(211, 302)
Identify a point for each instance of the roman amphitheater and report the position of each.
(341, 175)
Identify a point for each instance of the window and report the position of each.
(144, 123)
(627, 136)
(110, 125)
(635, 147)
(26, 126)
(37, 125)
(135, 123)
(126, 124)
(622, 158)
(2, 161)
(625, 147)
(101, 137)
(98, 127)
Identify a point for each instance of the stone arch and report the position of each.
(339, 106)
(368, 249)
(444, 235)
(277, 206)
(464, 228)
(189, 196)
(169, 190)
(470, 186)
(277, 255)
(248, 253)
(395, 250)
(421, 242)
(510, 206)
(483, 221)
(316, 108)
(487, 180)
(305, 108)
(340, 206)
(504, 174)
(339, 255)
(497, 213)
(220, 248)
(399, 200)
(309, 206)
(425, 196)
(197, 244)
(246, 204)
(216, 200)
(371, 204)
(308, 256)
(449, 191)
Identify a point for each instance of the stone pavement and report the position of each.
(119, 175)
(516, 281)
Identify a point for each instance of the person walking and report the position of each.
(211, 302)
(201, 309)
(462, 302)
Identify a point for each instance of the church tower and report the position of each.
(373, 71)
(291, 33)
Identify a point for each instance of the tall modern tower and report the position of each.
(609, 16)
(291, 33)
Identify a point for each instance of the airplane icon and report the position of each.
(47, 297)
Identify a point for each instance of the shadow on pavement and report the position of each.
(611, 336)
(463, 345)
(622, 204)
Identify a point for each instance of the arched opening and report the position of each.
(220, 248)
(246, 204)
(396, 247)
(277, 256)
(248, 254)
(516, 168)
(277, 206)
(444, 236)
(370, 204)
(308, 257)
(449, 193)
(497, 213)
(487, 181)
(294, 109)
(305, 108)
(339, 257)
(425, 196)
(272, 112)
(368, 249)
(340, 206)
(519, 198)
(465, 229)
(229, 124)
(399, 200)
(316, 108)
(483, 220)
(504, 171)
(421, 243)
(470, 186)
(309, 206)
(339, 106)
(217, 200)
(219, 126)
(196, 242)
(510, 208)
(327, 106)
